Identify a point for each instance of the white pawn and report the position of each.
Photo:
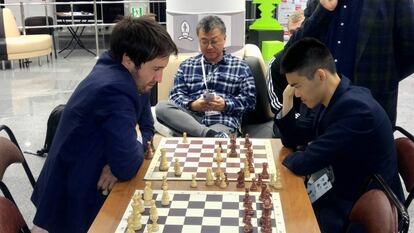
(165, 199)
(218, 169)
(154, 217)
(223, 183)
(185, 137)
(246, 169)
(164, 183)
(177, 168)
(193, 181)
(130, 229)
(278, 182)
(218, 157)
(147, 193)
(153, 209)
(209, 178)
(163, 161)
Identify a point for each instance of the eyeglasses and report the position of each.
(213, 43)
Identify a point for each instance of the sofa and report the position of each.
(257, 123)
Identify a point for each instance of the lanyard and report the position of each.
(204, 72)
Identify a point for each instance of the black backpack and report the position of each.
(52, 124)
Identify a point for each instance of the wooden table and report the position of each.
(297, 209)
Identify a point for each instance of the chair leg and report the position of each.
(38, 61)
(3, 65)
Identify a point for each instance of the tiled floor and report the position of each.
(28, 95)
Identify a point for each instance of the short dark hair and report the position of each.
(142, 39)
(305, 57)
(210, 22)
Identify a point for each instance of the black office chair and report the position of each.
(41, 21)
(10, 153)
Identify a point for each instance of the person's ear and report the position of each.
(320, 74)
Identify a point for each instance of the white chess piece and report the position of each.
(223, 183)
(193, 181)
(165, 199)
(177, 168)
(164, 183)
(278, 182)
(209, 177)
(218, 157)
(154, 217)
(147, 193)
(246, 169)
(185, 140)
(163, 160)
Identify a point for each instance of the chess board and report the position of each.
(197, 155)
(206, 212)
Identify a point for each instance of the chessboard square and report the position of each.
(225, 221)
(209, 229)
(212, 213)
(201, 175)
(180, 154)
(200, 196)
(226, 229)
(189, 168)
(193, 220)
(172, 228)
(206, 154)
(208, 159)
(171, 141)
(258, 165)
(179, 204)
(194, 159)
(196, 142)
(190, 228)
(213, 205)
(232, 165)
(207, 146)
(177, 212)
(181, 197)
(230, 213)
(191, 164)
(214, 198)
(183, 145)
(195, 212)
(260, 156)
(161, 219)
(230, 205)
(175, 220)
(170, 151)
(259, 147)
(234, 160)
(211, 221)
(194, 150)
(230, 197)
(181, 150)
(163, 211)
(196, 204)
(205, 164)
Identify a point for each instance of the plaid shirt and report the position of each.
(230, 78)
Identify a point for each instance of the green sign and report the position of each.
(266, 20)
(136, 11)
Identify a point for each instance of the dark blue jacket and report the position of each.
(97, 128)
(352, 134)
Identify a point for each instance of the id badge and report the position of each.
(318, 186)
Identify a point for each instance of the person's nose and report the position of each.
(158, 76)
(297, 94)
